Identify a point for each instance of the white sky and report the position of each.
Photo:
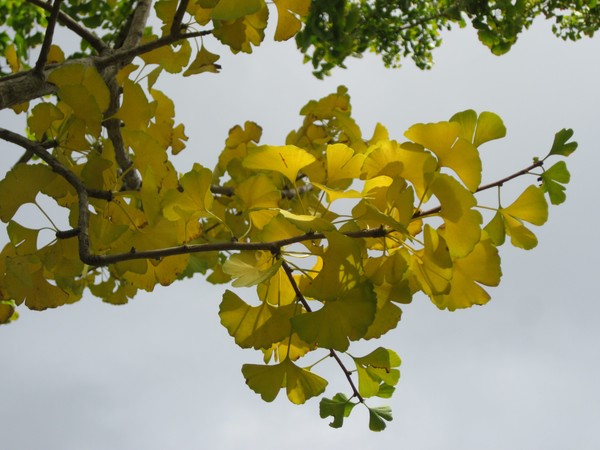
(522, 372)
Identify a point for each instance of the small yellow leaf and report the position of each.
(55, 55)
(204, 62)
(249, 268)
(10, 53)
(41, 119)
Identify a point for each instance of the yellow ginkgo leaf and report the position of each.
(135, 110)
(204, 62)
(267, 380)
(249, 268)
(234, 9)
(41, 119)
(10, 53)
(481, 266)
(55, 55)
(287, 23)
(531, 206)
(342, 163)
(193, 198)
(288, 160)
(443, 138)
(85, 76)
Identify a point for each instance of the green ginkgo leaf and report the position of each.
(255, 326)
(378, 417)
(338, 407)
(561, 145)
(338, 321)
(553, 181)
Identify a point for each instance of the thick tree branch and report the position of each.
(137, 25)
(43, 57)
(64, 19)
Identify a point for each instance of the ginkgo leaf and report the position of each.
(85, 76)
(338, 321)
(432, 266)
(461, 223)
(193, 198)
(267, 380)
(25, 282)
(55, 55)
(443, 138)
(520, 235)
(248, 268)
(496, 230)
(277, 290)
(553, 180)
(22, 238)
(376, 372)
(10, 53)
(561, 145)
(43, 115)
(307, 222)
(338, 407)
(342, 267)
(84, 107)
(287, 23)
(530, 206)
(378, 416)
(288, 160)
(234, 9)
(241, 33)
(204, 62)
(481, 266)
(255, 326)
(14, 192)
(135, 110)
(167, 57)
(342, 163)
(489, 127)
(258, 192)
(8, 312)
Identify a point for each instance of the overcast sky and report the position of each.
(519, 373)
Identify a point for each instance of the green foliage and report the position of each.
(100, 143)
(398, 29)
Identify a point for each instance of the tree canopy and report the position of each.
(336, 228)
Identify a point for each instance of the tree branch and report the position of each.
(64, 19)
(137, 25)
(485, 187)
(176, 25)
(43, 57)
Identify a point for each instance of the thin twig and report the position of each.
(43, 57)
(485, 187)
(64, 19)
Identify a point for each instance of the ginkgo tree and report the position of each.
(336, 229)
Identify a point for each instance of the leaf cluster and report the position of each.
(334, 231)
